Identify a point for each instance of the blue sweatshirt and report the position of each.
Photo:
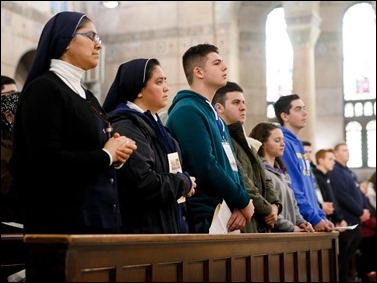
(192, 121)
(302, 179)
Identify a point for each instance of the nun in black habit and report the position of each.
(63, 158)
(152, 184)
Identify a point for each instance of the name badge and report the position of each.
(230, 155)
(174, 163)
(174, 167)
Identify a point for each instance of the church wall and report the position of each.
(329, 69)
(252, 68)
(21, 27)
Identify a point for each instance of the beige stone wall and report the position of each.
(329, 92)
(164, 30)
(252, 67)
(21, 26)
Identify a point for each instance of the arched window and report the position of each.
(354, 142)
(371, 136)
(359, 81)
(279, 61)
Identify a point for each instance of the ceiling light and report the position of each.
(110, 4)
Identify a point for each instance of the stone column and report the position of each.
(303, 29)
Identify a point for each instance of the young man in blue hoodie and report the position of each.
(291, 113)
(205, 142)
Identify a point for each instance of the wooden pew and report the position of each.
(274, 257)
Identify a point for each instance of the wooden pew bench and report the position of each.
(274, 257)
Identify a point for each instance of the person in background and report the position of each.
(8, 85)
(354, 207)
(9, 205)
(205, 142)
(371, 190)
(309, 153)
(9, 101)
(64, 152)
(152, 181)
(326, 206)
(325, 160)
(229, 101)
(291, 113)
(271, 151)
(366, 258)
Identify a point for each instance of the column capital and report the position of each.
(303, 30)
(303, 36)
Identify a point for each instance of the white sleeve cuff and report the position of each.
(117, 166)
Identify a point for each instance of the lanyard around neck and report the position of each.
(219, 122)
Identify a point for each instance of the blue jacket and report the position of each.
(346, 188)
(193, 123)
(302, 179)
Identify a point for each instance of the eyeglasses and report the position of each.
(92, 35)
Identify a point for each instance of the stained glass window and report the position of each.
(359, 81)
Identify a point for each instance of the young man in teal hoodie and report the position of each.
(205, 142)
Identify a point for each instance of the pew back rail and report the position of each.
(275, 257)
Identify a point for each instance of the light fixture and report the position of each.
(110, 4)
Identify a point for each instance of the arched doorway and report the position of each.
(24, 66)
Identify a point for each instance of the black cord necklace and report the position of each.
(109, 128)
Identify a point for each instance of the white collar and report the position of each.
(70, 74)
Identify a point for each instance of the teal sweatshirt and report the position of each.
(192, 121)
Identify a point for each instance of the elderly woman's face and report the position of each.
(84, 49)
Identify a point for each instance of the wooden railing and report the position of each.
(275, 257)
